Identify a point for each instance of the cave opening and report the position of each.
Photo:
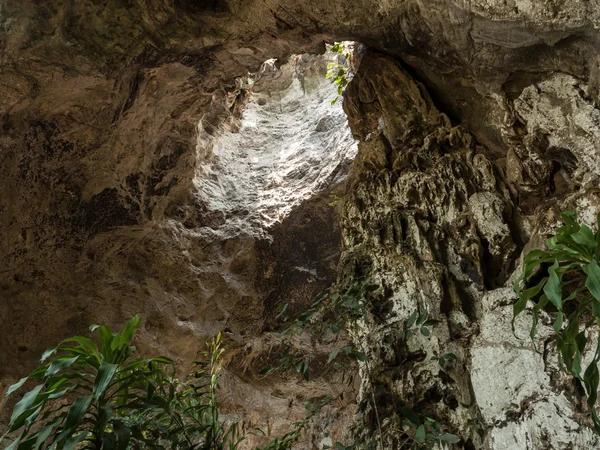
(287, 139)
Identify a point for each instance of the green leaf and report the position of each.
(333, 355)
(16, 386)
(109, 441)
(75, 440)
(26, 402)
(431, 322)
(420, 433)
(412, 319)
(13, 446)
(103, 378)
(43, 434)
(425, 331)
(449, 438)
(47, 353)
(410, 415)
(585, 236)
(77, 411)
(359, 356)
(60, 364)
(283, 309)
(558, 323)
(553, 288)
(129, 331)
(422, 317)
(592, 270)
(106, 337)
(123, 434)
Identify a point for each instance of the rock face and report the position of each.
(124, 129)
(432, 220)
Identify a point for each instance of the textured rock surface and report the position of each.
(110, 111)
(434, 221)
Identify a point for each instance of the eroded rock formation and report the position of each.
(432, 220)
(109, 114)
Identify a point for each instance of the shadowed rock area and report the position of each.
(477, 124)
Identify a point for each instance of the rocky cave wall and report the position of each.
(104, 109)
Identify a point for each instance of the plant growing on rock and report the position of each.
(328, 318)
(336, 72)
(570, 292)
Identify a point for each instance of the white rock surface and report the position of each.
(278, 158)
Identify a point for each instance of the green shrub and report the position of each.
(570, 292)
(84, 394)
(98, 397)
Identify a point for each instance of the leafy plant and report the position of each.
(98, 397)
(424, 433)
(570, 291)
(418, 322)
(336, 72)
(327, 318)
(444, 359)
(85, 391)
(192, 419)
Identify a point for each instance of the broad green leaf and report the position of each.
(558, 323)
(129, 330)
(60, 364)
(43, 434)
(13, 446)
(333, 355)
(590, 379)
(47, 353)
(576, 365)
(552, 288)
(422, 317)
(585, 236)
(26, 402)
(103, 378)
(106, 337)
(86, 347)
(412, 319)
(72, 442)
(27, 444)
(410, 415)
(16, 386)
(592, 270)
(431, 322)
(420, 433)
(449, 438)
(359, 356)
(598, 236)
(77, 411)
(123, 434)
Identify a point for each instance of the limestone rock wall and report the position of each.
(436, 223)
